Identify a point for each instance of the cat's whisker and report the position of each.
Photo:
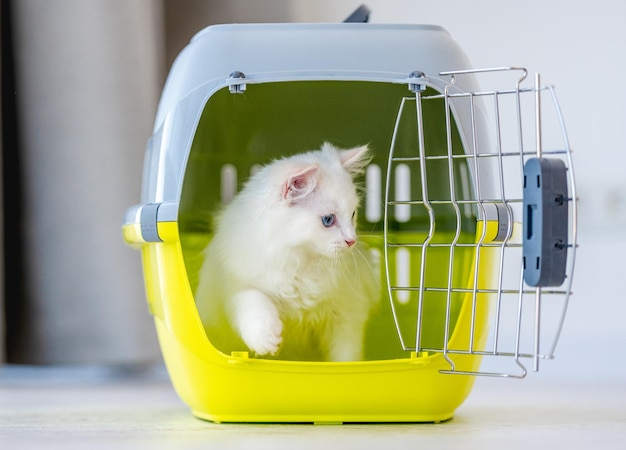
(373, 237)
(357, 275)
(367, 263)
(345, 276)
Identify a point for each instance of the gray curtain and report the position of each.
(88, 77)
(89, 74)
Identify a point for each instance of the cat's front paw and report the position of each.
(256, 319)
(264, 335)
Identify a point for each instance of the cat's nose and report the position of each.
(350, 242)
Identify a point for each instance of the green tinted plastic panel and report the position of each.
(274, 120)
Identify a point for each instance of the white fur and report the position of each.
(274, 278)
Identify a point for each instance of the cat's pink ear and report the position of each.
(355, 159)
(301, 184)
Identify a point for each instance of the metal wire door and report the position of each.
(502, 132)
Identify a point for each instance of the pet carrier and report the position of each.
(469, 203)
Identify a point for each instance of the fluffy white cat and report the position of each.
(284, 274)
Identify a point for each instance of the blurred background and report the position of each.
(81, 80)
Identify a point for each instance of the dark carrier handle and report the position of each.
(546, 225)
(360, 15)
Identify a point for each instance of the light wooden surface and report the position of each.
(99, 409)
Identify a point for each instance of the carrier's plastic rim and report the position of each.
(316, 26)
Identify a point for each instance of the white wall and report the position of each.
(580, 48)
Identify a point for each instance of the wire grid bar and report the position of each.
(478, 291)
(479, 155)
(518, 301)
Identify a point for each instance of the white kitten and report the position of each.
(283, 274)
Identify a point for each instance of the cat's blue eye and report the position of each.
(328, 220)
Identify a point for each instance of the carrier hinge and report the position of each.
(417, 81)
(236, 83)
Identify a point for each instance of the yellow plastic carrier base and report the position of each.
(237, 388)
